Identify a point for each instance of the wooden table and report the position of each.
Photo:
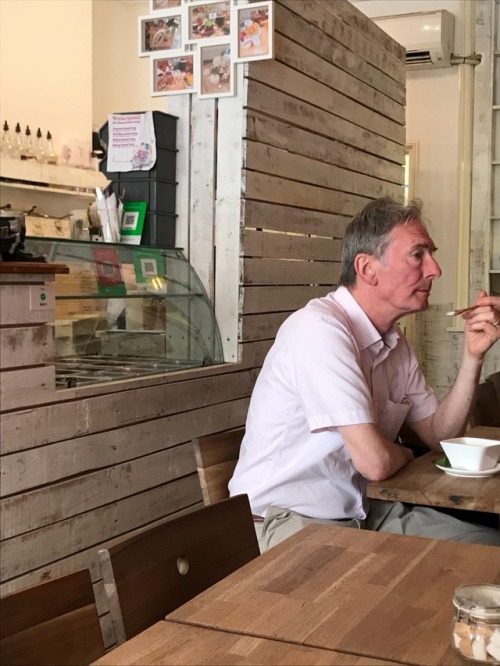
(173, 643)
(421, 482)
(367, 593)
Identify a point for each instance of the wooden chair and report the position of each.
(486, 406)
(495, 378)
(55, 623)
(216, 457)
(154, 572)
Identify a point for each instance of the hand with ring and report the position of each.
(482, 324)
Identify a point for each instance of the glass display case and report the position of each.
(127, 311)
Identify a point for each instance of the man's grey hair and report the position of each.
(368, 232)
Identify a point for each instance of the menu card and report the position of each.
(131, 142)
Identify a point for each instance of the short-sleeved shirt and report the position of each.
(328, 367)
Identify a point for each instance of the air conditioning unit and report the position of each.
(426, 36)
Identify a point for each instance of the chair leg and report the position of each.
(112, 596)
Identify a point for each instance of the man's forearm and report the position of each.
(374, 457)
(451, 417)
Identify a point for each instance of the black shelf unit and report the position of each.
(157, 186)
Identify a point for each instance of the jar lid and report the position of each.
(482, 602)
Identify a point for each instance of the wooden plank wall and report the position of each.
(320, 131)
(325, 134)
(26, 340)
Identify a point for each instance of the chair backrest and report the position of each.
(52, 623)
(152, 573)
(216, 457)
(486, 406)
(495, 378)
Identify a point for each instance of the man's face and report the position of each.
(407, 269)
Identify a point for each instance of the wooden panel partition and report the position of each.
(324, 135)
(271, 178)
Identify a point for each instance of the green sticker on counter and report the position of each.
(148, 263)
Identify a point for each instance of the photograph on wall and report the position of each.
(208, 20)
(253, 34)
(172, 75)
(158, 5)
(159, 33)
(216, 70)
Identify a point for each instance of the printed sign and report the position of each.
(148, 263)
(108, 271)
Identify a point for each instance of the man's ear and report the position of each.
(365, 269)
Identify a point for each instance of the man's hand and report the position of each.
(482, 325)
(482, 330)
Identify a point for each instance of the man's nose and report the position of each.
(433, 268)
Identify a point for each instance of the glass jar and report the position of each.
(476, 626)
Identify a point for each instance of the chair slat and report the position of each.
(111, 593)
(55, 623)
(216, 457)
(149, 568)
(214, 480)
(495, 378)
(214, 449)
(486, 406)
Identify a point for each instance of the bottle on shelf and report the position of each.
(6, 147)
(50, 156)
(17, 144)
(27, 151)
(39, 148)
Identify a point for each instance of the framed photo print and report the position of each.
(159, 5)
(208, 20)
(253, 33)
(172, 75)
(159, 33)
(215, 70)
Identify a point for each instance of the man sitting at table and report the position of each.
(340, 381)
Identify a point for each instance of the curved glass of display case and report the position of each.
(127, 311)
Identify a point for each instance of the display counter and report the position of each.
(127, 311)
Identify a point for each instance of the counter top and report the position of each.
(31, 268)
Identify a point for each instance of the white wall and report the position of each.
(66, 64)
(433, 123)
(46, 67)
(120, 78)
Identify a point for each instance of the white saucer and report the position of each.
(467, 474)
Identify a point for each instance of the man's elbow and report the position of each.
(377, 472)
(380, 476)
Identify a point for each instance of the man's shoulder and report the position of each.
(318, 311)
(327, 306)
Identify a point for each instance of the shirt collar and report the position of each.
(364, 331)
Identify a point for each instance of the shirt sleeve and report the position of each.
(326, 372)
